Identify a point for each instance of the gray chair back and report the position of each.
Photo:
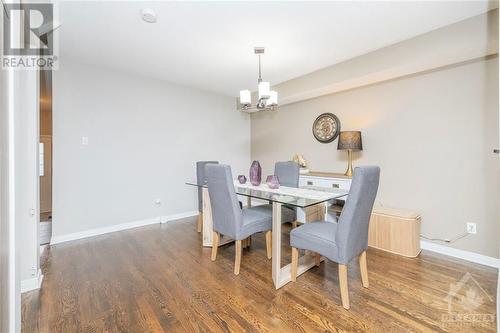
(200, 179)
(227, 216)
(352, 229)
(288, 173)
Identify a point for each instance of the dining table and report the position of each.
(305, 200)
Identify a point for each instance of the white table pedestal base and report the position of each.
(283, 275)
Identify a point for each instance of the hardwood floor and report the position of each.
(159, 278)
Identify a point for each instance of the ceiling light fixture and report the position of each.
(148, 15)
(268, 99)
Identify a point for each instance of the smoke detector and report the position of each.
(148, 15)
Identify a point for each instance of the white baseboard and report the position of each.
(461, 254)
(43, 248)
(33, 283)
(118, 227)
(173, 217)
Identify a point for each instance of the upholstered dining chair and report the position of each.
(288, 175)
(343, 241)
(200, 179)
(229, 218)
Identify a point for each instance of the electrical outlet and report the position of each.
(471, 228)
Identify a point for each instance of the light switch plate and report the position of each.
(85, 140)
(471, 228)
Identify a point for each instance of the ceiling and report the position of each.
(209, 45)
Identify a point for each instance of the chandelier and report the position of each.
(268, 99)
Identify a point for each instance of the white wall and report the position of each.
(431, 134)
(26, 175)
(5, 281)
(144, 138)
(10, 296)
(19, 248)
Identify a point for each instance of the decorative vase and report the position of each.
(242, 179)
(273, 182)
(255, 173)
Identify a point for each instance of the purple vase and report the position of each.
(255, 173)
(242, 179)
(273, 182)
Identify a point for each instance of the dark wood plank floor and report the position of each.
(160, 279)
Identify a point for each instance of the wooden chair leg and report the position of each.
(364, 269)
(317, 259)
(269, 244)
(237, 258)
(295, 262)
(200, 222)
(294, 224)
(344, 290)
(215, 244)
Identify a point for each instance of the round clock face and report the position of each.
(326, 127)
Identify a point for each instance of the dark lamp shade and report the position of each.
(350, 140)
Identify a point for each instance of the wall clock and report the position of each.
(326, 127)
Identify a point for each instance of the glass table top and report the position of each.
(290, 196)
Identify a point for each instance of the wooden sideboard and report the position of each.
(395, 230)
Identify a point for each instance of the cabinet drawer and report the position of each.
(343, 184)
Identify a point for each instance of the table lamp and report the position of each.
(350, 140)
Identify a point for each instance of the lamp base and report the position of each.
(348, 173)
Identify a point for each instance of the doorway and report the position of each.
(45, 157)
